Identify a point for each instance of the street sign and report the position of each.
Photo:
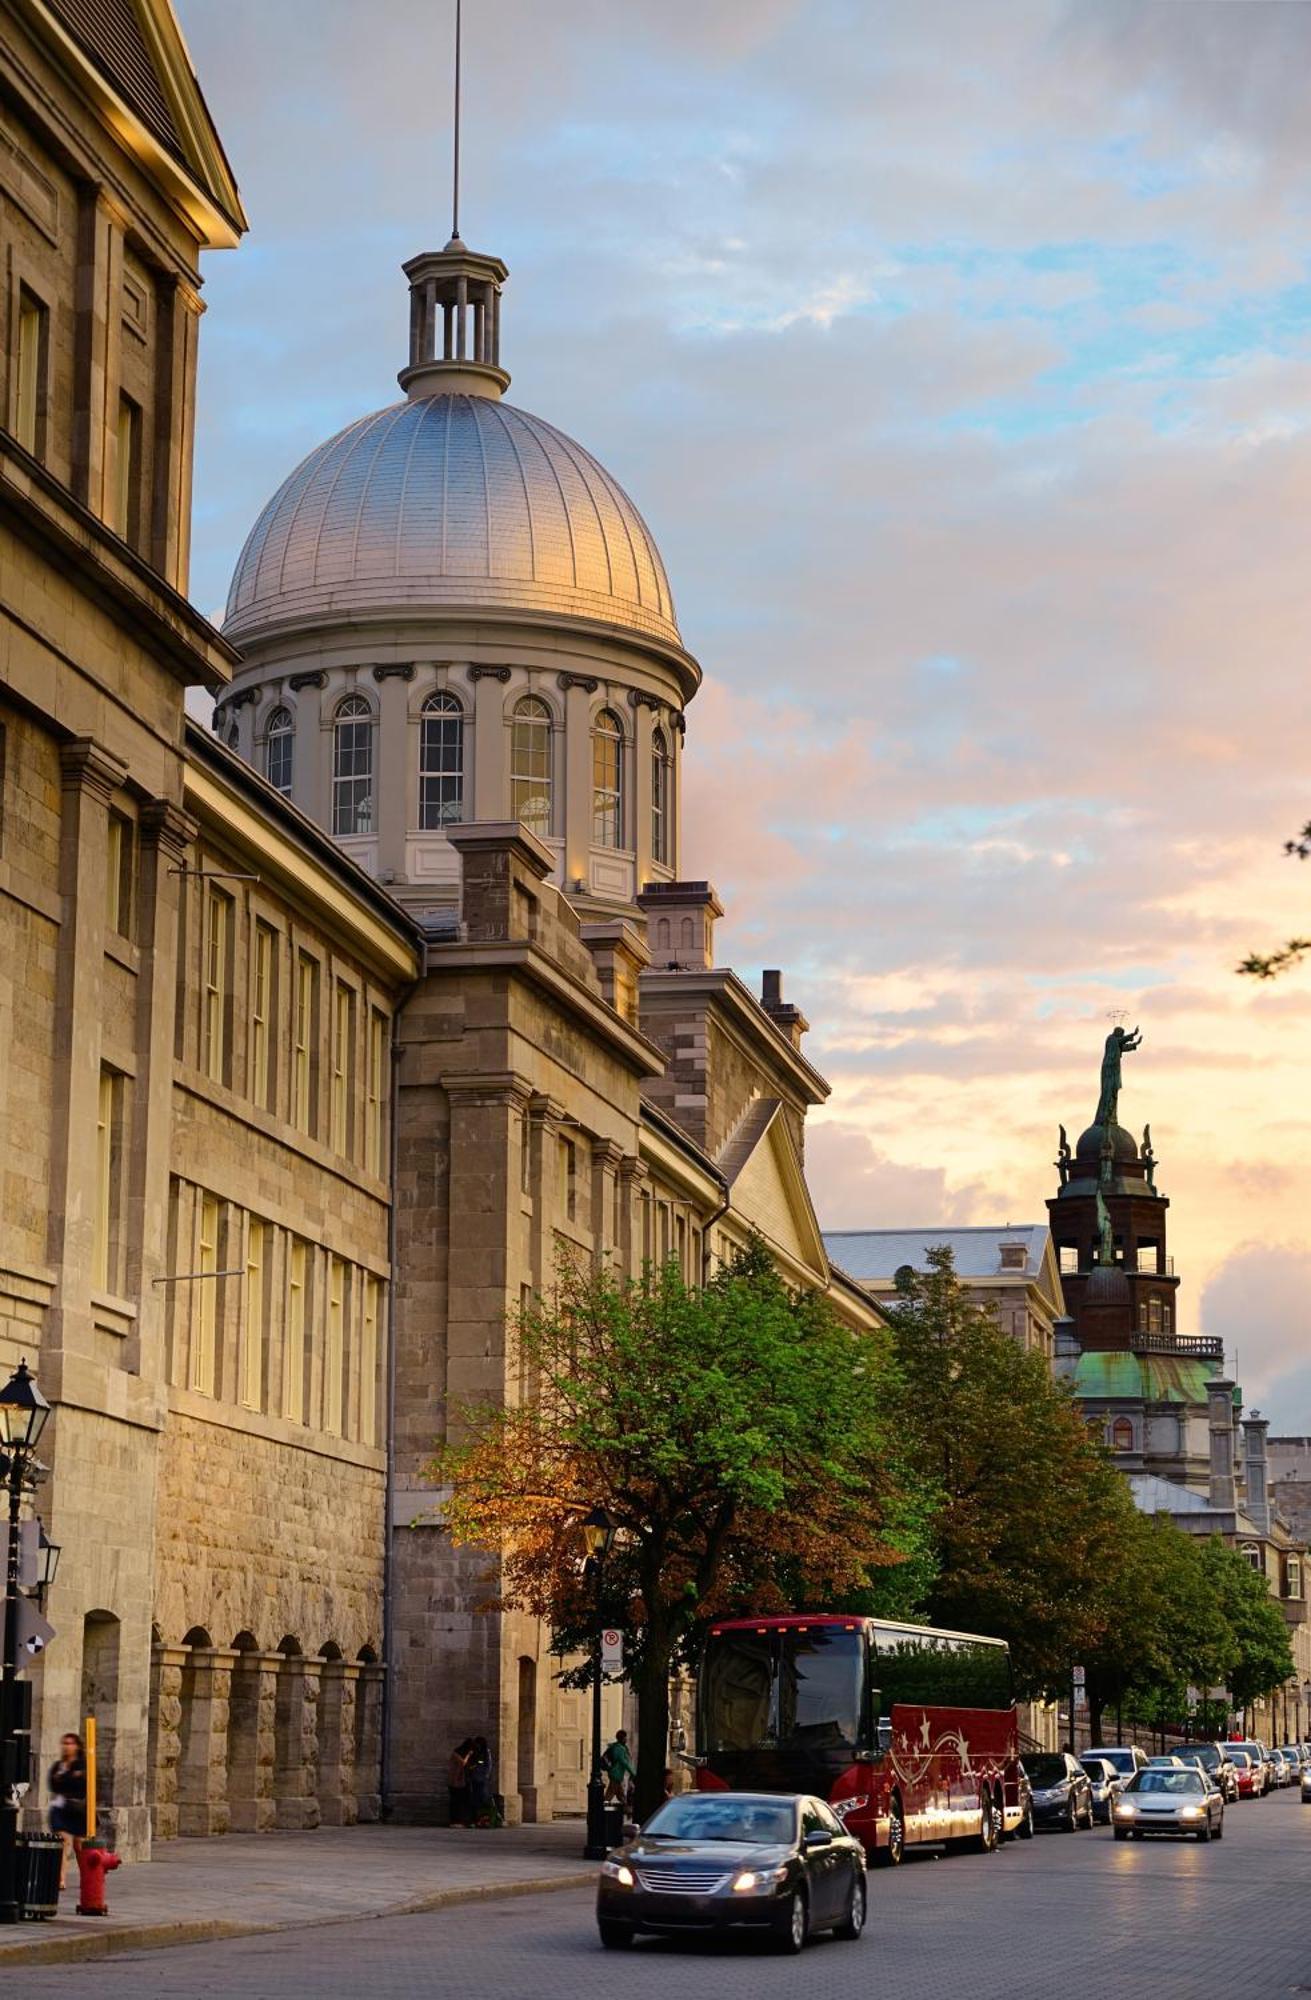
(612, 1651)
(1079, 1677)
(34, 1632)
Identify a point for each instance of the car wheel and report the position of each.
(1120, 1832)
(892, 1855)
(795, 1926)
(854, 1922)
(1070, 1819)
(615, 1937)
(1204, 1832)
(985, 1841)
(1026, 1824)
(1219, 1828)
(1091, 1818)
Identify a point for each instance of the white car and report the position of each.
(1183, 1802)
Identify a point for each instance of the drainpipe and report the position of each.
(709, 1224)
(389, 1487)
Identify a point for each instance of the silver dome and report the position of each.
(450, 501)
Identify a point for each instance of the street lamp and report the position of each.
(23, 1414)
(598, 1531)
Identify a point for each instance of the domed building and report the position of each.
(451, 612)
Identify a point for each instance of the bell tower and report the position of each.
(1108, 1222)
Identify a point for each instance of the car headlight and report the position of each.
(619, 1872)
(1123, 1809)
(1191, 1812)
(746, 1881)
(844, 1806)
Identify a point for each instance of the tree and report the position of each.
(1031, 1515)
(1268, 965)
(1262, 1655)
(736, 1434)
(1169, 1629)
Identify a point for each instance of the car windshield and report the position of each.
(701, 1816)
(799, 1688)
(1239, 1757)
(1168, 1781)
(1207, 1755)
(1046, 1771)
(1120, 1760)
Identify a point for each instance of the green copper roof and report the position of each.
(1150, 1378)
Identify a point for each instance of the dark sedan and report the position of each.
(1062, 1792)
(719, 1861)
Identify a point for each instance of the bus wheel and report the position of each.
(1026, 1824)
(893, 1854)
(985, 1840)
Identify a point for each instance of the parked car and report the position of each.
(1106, 1784)
(1062, 1793)
(1170, 1763)
(1209, 1757)
(1280, 1768)
(1306, 1784)
(1249, 1774)
(1182, 1802)
(1126, 1757)
(1296, 1755)
(717, 1861)
(1260, 1759)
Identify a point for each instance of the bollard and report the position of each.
(93, 1864)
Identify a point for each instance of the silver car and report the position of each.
(1182, 1802)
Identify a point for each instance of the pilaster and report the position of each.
(99, 287)
(491, 778)
(296, 1767)
(577, 784)
(338, 1798)
(165, 1744)
(203, 1764)
(252, 1741)
(179, 309)
(397, 791)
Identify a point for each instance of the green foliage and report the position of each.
(1269, 965)
(1029, 1512)
(1262, 1654)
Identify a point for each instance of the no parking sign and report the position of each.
(612, 1651)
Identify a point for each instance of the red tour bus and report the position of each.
(908, 1732)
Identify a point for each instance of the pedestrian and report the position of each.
(669, 1782)
(480, 1781)
(68, 1799)
(458, 1780)
(620, 1770)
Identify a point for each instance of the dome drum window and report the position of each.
(530, 765)
(660, 774)
(279, 742)
(441, 762)
(352, 767)
(607, 780)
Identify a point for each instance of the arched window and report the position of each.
(1122, 1434)
(278, 740)
(607, 781)
(660, 796)
(441, 761)
(352, 766)
(530, 764)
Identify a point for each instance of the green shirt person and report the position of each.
(618, 1765)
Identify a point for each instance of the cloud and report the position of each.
(1259, 1302)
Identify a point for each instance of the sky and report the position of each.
(959, 357)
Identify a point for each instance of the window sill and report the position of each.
(113, 1315)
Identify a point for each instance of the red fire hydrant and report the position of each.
(93, 1864)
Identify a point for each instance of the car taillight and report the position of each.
(844, 1806)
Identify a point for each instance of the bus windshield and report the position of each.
(783, 1689)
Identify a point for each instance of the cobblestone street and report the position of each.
(1166, 1921)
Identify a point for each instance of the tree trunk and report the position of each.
(651, 1687)
(1095, 1709)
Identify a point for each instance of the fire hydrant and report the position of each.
(93, 1864)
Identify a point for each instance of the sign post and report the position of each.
(612, 1651)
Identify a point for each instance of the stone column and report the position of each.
(632, 1187)
(178, 308)
(607, 1156)
(297, 1757)
(252, 1741)
(368, 1741)
(491, 770)
(203, 1764)
(338, 1798)
(165, 834)
(395, 768)
(165, 1738)
(483, 1190)
(544, 1116)
(644, 721)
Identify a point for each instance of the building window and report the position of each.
(660, 776)
(1251, 1553)
(343, 1051)
(1142, 1315)
(279, 742)
(263, 1000)
(607, 780)
(1293, 1577)
(1122, 1434)
(1069, 1259)
(106, 1275)
(31, 363)
(369, 1361)
(127, 508)
(569, 1178)
(304, 1035)
(218, 945)
(376, 1138)
(441, 761)
(1167, 1319)
(334, 1356)
(119, 871)
(1154, 1315)
(352, 767)
(293, 1337)
(255, 1315)
(204, 1286)
(530, 765)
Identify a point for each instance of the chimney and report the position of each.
(680, 925)
(1220, 1412)
(1256, 1471)
(790, 1020)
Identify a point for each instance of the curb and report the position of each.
(69, 1950)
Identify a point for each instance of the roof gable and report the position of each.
(768, 1186)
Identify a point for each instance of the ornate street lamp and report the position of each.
(23, 1414)
(598, 1532)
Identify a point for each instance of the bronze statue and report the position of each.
(1119, 1043)
(1105, 1232)
(1063, 1157)
(1149, 1158)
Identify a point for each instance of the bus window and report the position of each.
(737, 1691)
(820, 1688)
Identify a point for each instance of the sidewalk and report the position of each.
(194, 1890)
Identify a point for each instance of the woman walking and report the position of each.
(68, 1799)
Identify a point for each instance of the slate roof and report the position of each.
(875, 1255)
(110, 33)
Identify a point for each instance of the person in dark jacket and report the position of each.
(67, 1783)
(480, 1781)
(459, 1783)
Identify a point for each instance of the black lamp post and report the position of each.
(23, 1413)
(598, 1535)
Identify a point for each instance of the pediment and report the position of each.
(768, 1188)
